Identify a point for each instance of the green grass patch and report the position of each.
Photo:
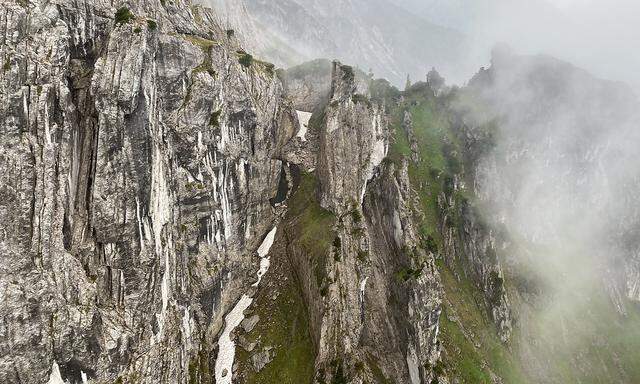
(123, 15)
(284, 326)
(437, 152)
(474, 345)
(245, 59)
(201, 42)
(314, 226)
(284, 323)
(205, 45)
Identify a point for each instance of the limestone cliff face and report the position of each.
(373, 322)
(353, 142)
(144, 157)
(138, 160)
(407, 302)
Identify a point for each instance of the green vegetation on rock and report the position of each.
(123, 15)
(245, 59)
(283, 315)
(472, 349)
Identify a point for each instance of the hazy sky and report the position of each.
(569, 3)
(602, 36)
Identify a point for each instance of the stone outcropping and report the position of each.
(138, 157)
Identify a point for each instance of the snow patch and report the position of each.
(139, 223)
(55, 377)
(47, 130)
(160, 215)
(224, 200)
(165, 291)
(224, 362)
(379, 151)
(303, 118)
(227, 352)
(264, 248)
(263, 251)
(363, 285)
(186, 324)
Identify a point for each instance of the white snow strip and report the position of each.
(186, 327)
(378, 153)
(25, 104)
(303, 118)
(84, 378)
(224, 201)
(226, 355)
(55, 377)
(160, 206)
(164, 290)
(263, 251)
(264, 248)
(224, 362)
(363, 284)
(265, 262)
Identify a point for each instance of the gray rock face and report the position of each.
(261, 359)
(404, 305)
(138, 160)
(353, 142)
(370, 322)
(474, 246)
(144, 156)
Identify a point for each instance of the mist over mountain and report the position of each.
(378, 35)
(253, 191)
(561, 186)
(396, 38)
(594, 34)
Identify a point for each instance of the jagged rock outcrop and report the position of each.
(138, 160)
(407, 301)
(469, 242)
(371, 323)
(353, 142)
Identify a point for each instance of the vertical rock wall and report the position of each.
(137, 167)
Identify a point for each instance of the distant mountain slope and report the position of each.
(562, 181)
(375, 34)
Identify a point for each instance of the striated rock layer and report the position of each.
(144, 158)
(138, 157)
